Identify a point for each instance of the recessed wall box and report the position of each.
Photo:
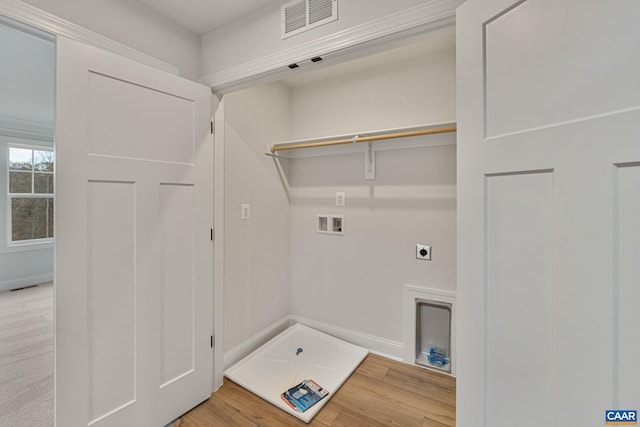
(323, 224)
(330, 224)
(337, 224)
(433, 334)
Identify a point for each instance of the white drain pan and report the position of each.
(279, 365)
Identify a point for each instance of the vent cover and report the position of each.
(301, 15)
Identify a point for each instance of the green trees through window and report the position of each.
(31, 193)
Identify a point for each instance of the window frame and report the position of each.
(32, 195)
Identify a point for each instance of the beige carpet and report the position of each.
(26, 357)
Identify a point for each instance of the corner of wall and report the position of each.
(257, 257)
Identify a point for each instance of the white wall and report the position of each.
(256, 251)
(26, 108)
(135, 25)
(21, 265)
(355, 282)
(26, 76)
(258, 35)
(416, 91)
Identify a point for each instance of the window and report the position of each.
(30, 193)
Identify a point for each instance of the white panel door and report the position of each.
(133, 251)
(548, 212)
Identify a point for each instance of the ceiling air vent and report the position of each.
(301, 15)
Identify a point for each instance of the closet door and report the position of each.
(133, 251)
(548, 211)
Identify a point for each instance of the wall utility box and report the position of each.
(433, 334)
(330, 224)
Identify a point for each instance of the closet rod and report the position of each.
(275, 148)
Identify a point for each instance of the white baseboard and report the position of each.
(242, 350)
(381, 346)
(7, 285)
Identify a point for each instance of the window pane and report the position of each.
(20, 158)
(43, 161)
(19, 182)
(43, 183)
(29, 218)
(50, 217)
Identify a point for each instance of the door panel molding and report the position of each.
(566, 242)
(134, 259)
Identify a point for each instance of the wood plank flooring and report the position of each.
(381, 392)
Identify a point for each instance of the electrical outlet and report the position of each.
(340, 198)
(423, 252)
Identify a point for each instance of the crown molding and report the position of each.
(24, 13)
(25, 129)
(430, 15)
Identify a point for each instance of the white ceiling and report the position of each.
(204, 16)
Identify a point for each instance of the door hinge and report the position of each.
(212, 341)
(212, 235)
(212, 127)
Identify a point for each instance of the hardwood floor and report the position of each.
(381, 392)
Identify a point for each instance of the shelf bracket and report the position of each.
(370, 163)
